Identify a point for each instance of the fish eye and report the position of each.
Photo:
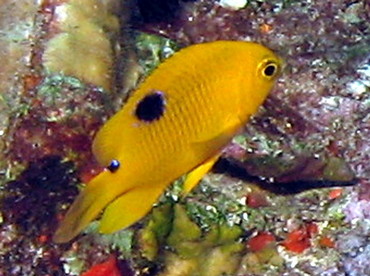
(114, 165)
(269, 69)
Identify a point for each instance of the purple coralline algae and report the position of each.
(315, 125)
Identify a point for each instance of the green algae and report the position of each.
(52, 87)
(154, 234)
(184, 245)
(183, 228)
(153, 49)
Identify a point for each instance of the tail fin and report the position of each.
(126, 203)
(87, 206)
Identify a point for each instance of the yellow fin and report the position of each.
(203, 147)
(209, 144)
(196, 174)
(130, 207)
(87, 206)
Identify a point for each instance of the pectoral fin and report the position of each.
(196, 174)
(130, 207)
(207, 145)
(220, 133)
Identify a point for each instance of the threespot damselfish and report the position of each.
(177, 122)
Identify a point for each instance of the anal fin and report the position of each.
(130, 207)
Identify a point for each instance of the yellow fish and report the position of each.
(176, 122)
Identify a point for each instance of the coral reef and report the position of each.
(313, 127)
(84, 46)
(30, 209)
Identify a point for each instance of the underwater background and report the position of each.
(68, 65)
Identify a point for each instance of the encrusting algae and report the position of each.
(84, 46)
(176, 122)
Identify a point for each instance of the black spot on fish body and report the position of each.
(151, 107)
(113, 166)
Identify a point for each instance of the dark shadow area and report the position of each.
(163, 11)
(236, 169)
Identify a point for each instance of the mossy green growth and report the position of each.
(223, 234)
(153, 49)
(185, 246)
(213, 252)
(121, 241)
(183, 228)
(153, 235)
(225, 238)
(51, 88)
(161, 221)
(188, 240)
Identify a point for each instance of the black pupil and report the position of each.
(151, 107)
(270, 70)
(113, 166)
